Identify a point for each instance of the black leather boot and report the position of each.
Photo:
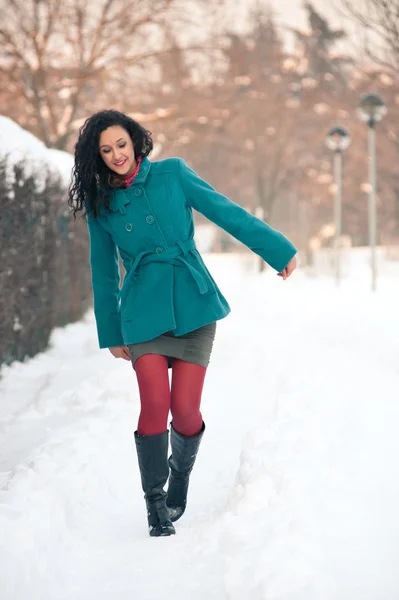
(181, 462)
(152, 453)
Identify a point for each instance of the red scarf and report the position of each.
(128, 179)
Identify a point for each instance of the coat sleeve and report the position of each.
(105, 277)
(259, 237)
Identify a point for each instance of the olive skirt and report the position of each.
(194, 347)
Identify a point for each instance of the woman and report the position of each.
(165, 314)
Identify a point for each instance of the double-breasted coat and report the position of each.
(167, 285)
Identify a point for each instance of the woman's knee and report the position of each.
(153, 416)
(187, 422)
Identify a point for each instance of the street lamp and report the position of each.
(338, 140)
(371, 110)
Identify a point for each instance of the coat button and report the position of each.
(138, 192)
(159, 250)
(129, 226)
(150, 219)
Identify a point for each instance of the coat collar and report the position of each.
(143, 173)
(122, 197)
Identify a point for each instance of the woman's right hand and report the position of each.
(120, 352)
(285, 273)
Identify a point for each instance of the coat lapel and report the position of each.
(122, 197)
(118, 201)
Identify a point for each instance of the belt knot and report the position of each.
(176, 255)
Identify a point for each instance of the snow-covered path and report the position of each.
(296, 488)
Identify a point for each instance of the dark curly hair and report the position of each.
(89, 187)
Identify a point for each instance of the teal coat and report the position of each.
(167, 285)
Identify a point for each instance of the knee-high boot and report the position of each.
(181, 462)
(152, 453)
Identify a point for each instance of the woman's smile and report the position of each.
(113, 140)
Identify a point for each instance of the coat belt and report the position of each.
(175, 255)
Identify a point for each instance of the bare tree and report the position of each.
(379, 20)
(61, 58)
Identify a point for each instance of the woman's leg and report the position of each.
(187, 384)
(152, 438)
(186, 431)
(153, 380)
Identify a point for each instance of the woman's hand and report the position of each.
(288, 269)
(120, 352)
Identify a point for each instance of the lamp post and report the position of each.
(372, 109)
(338, 140)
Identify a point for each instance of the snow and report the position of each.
(295, 491)
(20, 148)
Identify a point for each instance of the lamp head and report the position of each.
(371, 108)
(338, 139)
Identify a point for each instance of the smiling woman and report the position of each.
(116, 148)
(109, 148)
(165, 315)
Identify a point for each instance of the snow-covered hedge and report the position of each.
(43, 280)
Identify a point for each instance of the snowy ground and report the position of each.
(295, 493)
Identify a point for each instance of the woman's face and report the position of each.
(116, 150)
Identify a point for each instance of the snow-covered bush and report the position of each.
(43, 281)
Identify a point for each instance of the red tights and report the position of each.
(157, 397)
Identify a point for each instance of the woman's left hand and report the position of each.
(285, 273)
